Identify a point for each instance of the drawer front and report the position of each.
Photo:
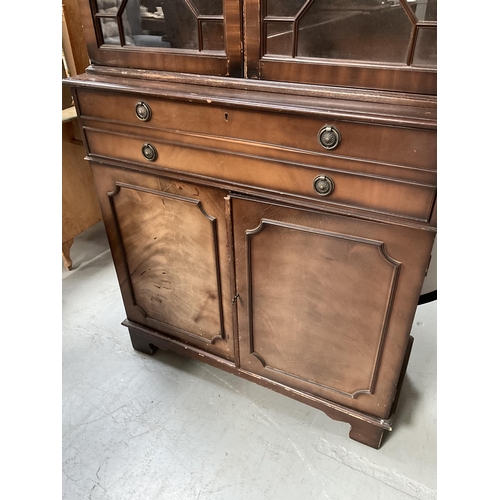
(380, 143)
(378, 194)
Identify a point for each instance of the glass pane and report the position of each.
(213, 35)
(180, 24)
(279, 38)
(425, 10)
(109, 25)
(284, 7)
(172, 24)
(164, 23)
(363, 30)
(208, 7)
(426, 48)
(110, 31)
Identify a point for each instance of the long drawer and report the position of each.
(403, 146)
(384, 195)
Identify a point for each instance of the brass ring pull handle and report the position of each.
(149, 152)
(143, 111)
(323, 185)
(329, 137)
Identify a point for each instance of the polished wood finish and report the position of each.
(384, 195)
(169, 244)
(406, 186)
(401, 79)
(225, 248)
(299, 320)
(224, 63)
(381, 108)
(410, 147)
(283, 88)
(343, 73)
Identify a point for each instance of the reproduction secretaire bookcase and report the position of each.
(266, 172)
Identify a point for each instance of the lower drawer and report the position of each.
(367, 192)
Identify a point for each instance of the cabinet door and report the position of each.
(190, 36)
(169, 244)
(326, 302)
(374, 44)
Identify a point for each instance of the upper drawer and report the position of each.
(378, 143)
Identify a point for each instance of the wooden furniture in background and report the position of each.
(73, 40)
(80, 209)
(270, 201)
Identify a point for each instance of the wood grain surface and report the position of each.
(326, 301)
(377, 194)
(386, 144)
(169, 243)
(224, 250)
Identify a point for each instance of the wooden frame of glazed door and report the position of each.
(402, 77)
(220, 63)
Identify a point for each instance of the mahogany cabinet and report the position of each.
(266, 171)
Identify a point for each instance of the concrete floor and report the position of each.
(137, 427)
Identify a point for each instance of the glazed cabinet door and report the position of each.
(189, 36)
(326, 302)
(169, 244)
(373, 44)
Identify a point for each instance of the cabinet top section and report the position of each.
(381, 45)
(341, 104)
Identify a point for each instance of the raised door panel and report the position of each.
(326, 302)
(170, 248)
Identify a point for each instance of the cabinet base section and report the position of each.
(365, 429)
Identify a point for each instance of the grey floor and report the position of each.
(167, 427)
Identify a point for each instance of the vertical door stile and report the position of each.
(232, 277)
